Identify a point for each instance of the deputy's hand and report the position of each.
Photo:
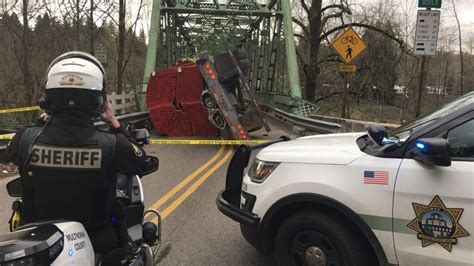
(108, 115)
(44, 117)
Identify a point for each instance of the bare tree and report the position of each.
(318, 28)
(121, 45)
(126, 37)
(91, 27)
(470, 44)
(407, 9)
(25, 58)
(7, 5)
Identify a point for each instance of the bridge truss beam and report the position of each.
(185, 28)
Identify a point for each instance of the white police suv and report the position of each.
(376, 198)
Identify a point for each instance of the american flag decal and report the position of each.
(376, 177)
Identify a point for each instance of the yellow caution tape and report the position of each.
(207, 141)
(20, 109)
(190, 141)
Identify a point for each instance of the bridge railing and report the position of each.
(122, 103)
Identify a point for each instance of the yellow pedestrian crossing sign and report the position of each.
(349, 45)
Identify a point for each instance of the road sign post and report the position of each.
(426, 37)
(344, 94)
(421, 84)
(349, 45)
(101, 54)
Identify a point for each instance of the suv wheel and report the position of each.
(312, 238)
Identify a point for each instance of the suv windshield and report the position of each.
(402, 133)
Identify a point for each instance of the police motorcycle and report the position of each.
(67, 242)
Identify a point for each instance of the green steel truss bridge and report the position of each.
(185, 28)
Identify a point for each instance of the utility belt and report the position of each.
(17, 212)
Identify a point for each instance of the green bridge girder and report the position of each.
(185, 28)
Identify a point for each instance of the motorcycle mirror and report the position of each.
(14, 188)
(152, 165)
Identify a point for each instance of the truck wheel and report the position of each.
(208, 101)
(218, 120)
(311, 238)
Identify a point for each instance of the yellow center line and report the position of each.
(193, 187)
(188, 179)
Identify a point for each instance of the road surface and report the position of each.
(184, 189)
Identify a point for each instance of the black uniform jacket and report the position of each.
(68, 168)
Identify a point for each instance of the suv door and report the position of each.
(434, 205)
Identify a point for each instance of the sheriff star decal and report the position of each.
(72, 79)
(437, 224)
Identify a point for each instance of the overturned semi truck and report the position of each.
(214, 88)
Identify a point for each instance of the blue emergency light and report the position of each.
(422, 146)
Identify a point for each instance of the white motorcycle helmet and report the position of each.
(75, 81)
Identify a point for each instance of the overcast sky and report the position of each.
(448, 25)
(464, 8)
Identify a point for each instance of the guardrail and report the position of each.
(352, 125)
(139, 119)
(122, 103)
(310, 124)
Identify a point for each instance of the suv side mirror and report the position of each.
(377, 133)
(152, 165)
(14, 188)
(433, 151)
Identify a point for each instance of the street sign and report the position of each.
(426, 37)
(349, 45)
(347, 68)
(429, 3)
(100, 52)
